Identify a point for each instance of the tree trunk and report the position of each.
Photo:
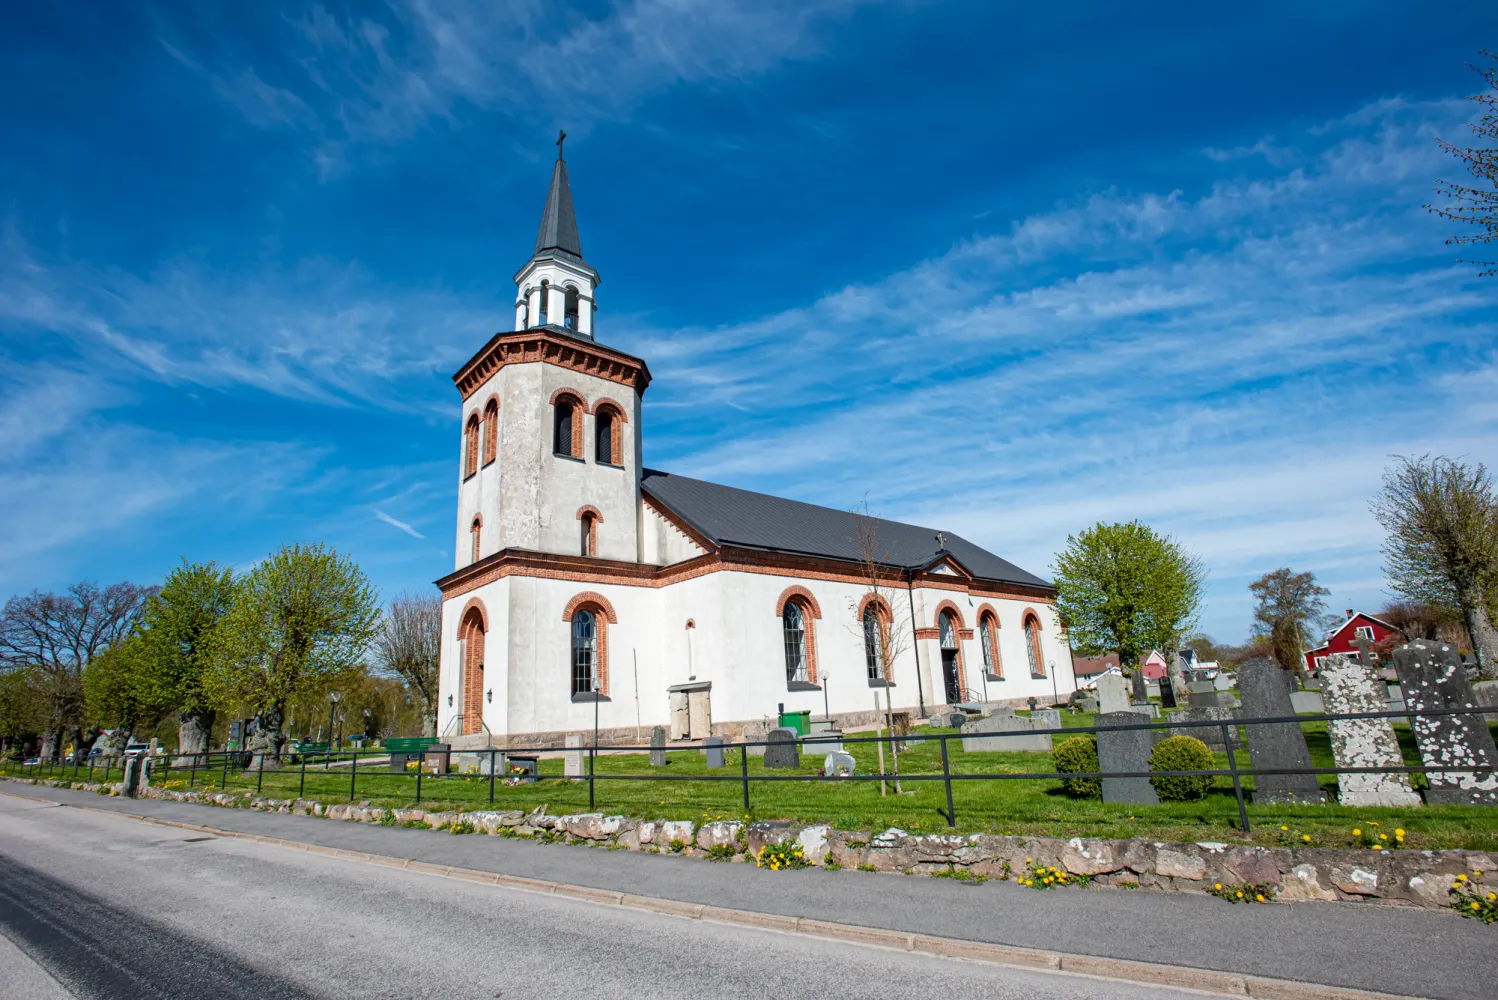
(266, 746)
(1484, 640)
(194, 730)
(429, 721)
(51, 742)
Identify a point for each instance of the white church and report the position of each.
(586, 582)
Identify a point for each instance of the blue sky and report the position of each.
(1002, 269)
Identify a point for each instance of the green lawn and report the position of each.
(1012, 806)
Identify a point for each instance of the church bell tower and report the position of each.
(556, 286)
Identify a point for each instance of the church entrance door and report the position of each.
(949, 676)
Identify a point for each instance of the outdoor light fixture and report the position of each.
(449, 701)
(489, 695)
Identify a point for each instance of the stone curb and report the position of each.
(1181, 977)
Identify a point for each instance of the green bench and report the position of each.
(404, 749)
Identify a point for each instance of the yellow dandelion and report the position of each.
(1492, 896)
(1475, 906)
(1356, 832)
(1477, 874)
(1306, 837)
(1378, 847)
(1383, 836)
(1259, 897)
(1240, 893)
(1284, 828)
(1217, 886)
(1461, 878)
(1399, 831)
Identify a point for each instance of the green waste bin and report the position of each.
(799, 721)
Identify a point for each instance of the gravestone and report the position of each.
(1485, 693)
(1307, 703)
(827, 741)
(1265, 687)
(658, 746)
(1347, 688)
(976, 736)
(572, 760)
(134, 768)
(1125, 750)
(434, 759)
(1046, 718)
(1210, 735)
(1112, 694)
(713, 746)
(1148, 709)
(993, 708)
(948, 720)
(1167, 693)
(1087, 704)
(838, 765)
(1222, 682)
(1032, 702)
(522, 768)
(782, 751)
(1431, 678)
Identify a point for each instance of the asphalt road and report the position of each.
(98, 906)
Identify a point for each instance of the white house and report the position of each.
(684, 603)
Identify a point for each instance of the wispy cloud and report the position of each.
(402, 525)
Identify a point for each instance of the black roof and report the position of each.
(729, 516)
(558, 220)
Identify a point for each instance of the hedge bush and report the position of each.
(1078, 754)
(1182, 753)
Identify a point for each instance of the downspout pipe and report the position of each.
(915, 643)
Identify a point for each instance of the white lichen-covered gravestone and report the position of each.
(1432, 678)
(1347, 688)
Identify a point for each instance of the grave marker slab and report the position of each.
(782, 751)
(1046, 718)
(1307, 703)
(1112, 694)
(1167, 693)
(976, 738)
(713, 747)
(658, 746)
(839, 764)
(1431, 678)
(1265, 687)
(827, 741)
(1125, 750)
(1347, 687)
(1210, 735)
(572, 760)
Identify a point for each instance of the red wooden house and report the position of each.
(1344, 639)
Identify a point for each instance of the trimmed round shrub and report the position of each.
(1078, 754)
(1181, 753)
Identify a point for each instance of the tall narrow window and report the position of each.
(545, 305)
(476, 530)
(873, 643)
(1032, 647)
(584, 650)
(988, 638)
(589, 532)
(603, 437)
(951, 659)
(794, 628)
(561, 437)
(471, 446)
(571, 308)
(491, 431)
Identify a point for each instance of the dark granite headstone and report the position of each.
(1431, 678)
(1264, 686)
(713, 746)
(782, 750)
(1167, 693)
(658, 746)
(1125, 750)
(525, 769)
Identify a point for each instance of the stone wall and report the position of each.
(1418, 878)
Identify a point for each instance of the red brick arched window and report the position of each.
(608, 432)
(475, 531)
(988, 642)
(588, 519)
(798, 611)
(567, 411)
(491, 430)
(875, 618)
(1032, 644)
(471, 631)
(589, 616)
(471, 446)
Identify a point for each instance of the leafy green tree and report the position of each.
(1441, 549)
(1476, 206)
(1125, 589)
(299, 621)
(117, 689)
(1290, 608)
(22, 707)
(177, 633)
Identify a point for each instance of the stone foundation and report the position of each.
(1417, 878)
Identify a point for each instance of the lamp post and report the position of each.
(595, 697)
(334, 697)
(826, 710)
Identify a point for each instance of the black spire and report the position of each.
(558, 220)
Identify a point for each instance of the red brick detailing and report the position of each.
(590, 516)
(987, 614)
(597, 600)
(605, 403)
(588, 508)
(928, 633)
(872, 598)
(475, 605)
(885, 617)
(691, 623)
(474, 531)
(564, 397)
(956, 615)
(616, 429)
(538, 345)
(471, 446)
(808, 603)
(603, 617)
(577, 396)
(548, 566)
(964, 634)
(491, 429)
(472, 630)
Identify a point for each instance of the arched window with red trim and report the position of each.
(988, 639)
(471, 446)
(475, 532)
(1032, 645)
(491, 431)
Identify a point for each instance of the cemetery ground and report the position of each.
(1022, 807)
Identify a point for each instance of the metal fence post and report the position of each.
(225, 778)
(492, 763)
(353, 775)
(301, 788)
(946, 777)
(1227, 741)
(744, 770)
(90, 769)
(420, 761)
(591, 752)
(260, 775)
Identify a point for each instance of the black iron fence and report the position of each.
(199, 766)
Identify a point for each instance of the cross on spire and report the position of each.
(561, 138)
